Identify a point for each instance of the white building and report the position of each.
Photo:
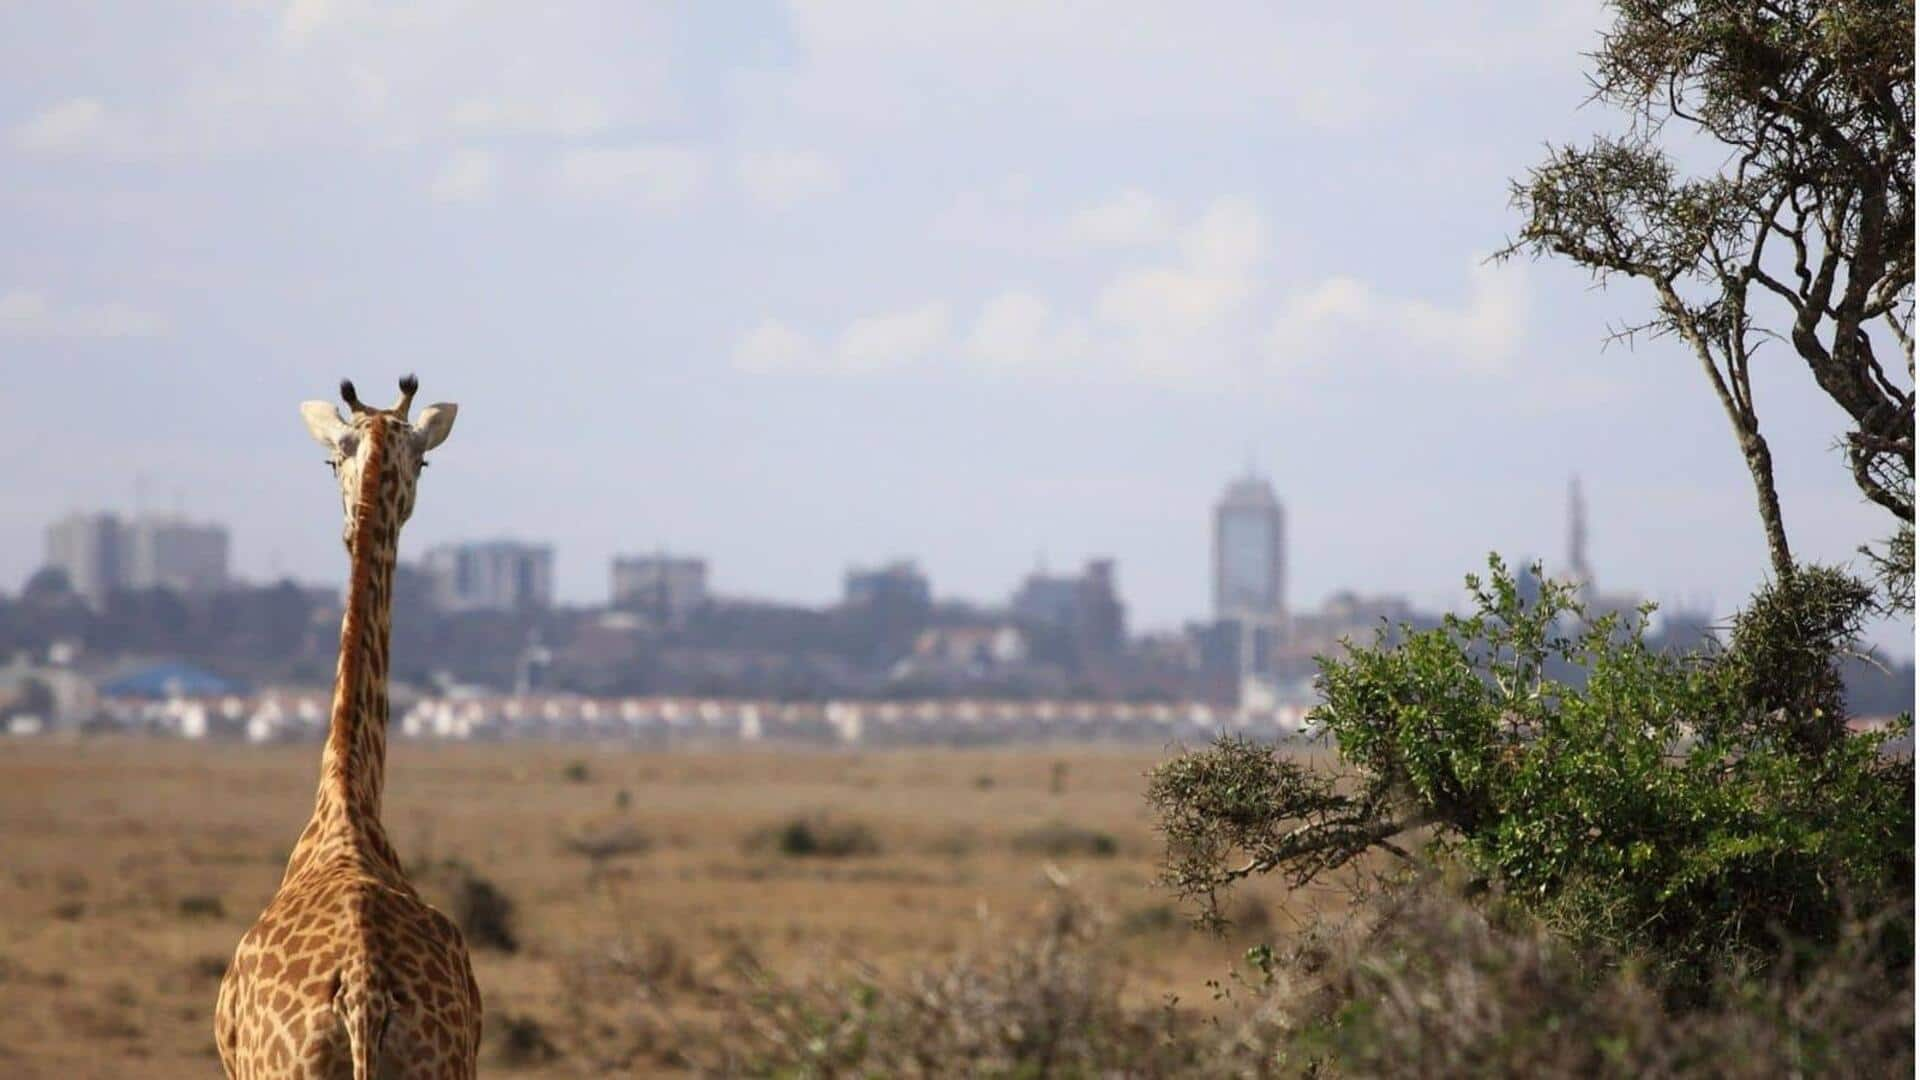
(498, 575)
(667, 587)
(89, 549)
(101, 553)
(171, 552)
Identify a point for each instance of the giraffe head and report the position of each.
(377, 455)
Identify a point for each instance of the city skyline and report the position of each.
(781, 286)
(515, 573)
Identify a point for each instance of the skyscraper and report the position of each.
(1249, 549)
(1577, 569)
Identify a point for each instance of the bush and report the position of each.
(520, 1041)
(484, 914)
(1061, 839)
(814, 837)
(609, 840)
(1435, 987)
(1419, 983)
(201, 906)
(1687, 810)
(1051, 1005)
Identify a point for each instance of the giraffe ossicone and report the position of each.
(348, 972)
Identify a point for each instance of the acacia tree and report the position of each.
(1803, 236)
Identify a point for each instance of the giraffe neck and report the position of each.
(353, 766)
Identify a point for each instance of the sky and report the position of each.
(798, 286)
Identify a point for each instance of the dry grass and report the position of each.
(133, 867)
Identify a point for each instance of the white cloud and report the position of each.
(1212, 277)
(1173, 297)
(31, 314)
(1019, 330)
(1348, 316)
(654, 176)
(776, 180)
(1200, 307)
(1483, 334)
(1129, 219)
(77, 124)
(887, 341)
(893, 339)
(469, 178)
(872, 64)
(334, 76)
(772, 348)
(1230, 237)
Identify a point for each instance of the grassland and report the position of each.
(132, 868)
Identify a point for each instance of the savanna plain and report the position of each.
(619, 902)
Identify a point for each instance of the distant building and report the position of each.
(101, 553)
(1086, 607)
(165, 552)
(1580, 573)
(883, 608)
(896, 587)
(1249, 553)
(1249, 573)
(972, 646)
(498, 575)
(90, 549)
(667, 588)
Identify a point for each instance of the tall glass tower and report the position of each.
(1249, 544)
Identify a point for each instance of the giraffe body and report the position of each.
(346, 967)
(348, 972)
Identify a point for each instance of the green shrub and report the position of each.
(1690, 810)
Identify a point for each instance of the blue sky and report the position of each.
(801, 285)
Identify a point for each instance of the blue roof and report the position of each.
(166, 680)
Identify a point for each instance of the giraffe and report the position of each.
(348, 972)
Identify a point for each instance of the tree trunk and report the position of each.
(1753, 446)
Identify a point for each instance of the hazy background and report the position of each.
(797, 285)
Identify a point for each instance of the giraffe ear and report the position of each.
(324, 423)
(434, 425)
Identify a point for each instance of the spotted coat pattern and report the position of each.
(348, 972)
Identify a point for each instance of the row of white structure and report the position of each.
(299, 715)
